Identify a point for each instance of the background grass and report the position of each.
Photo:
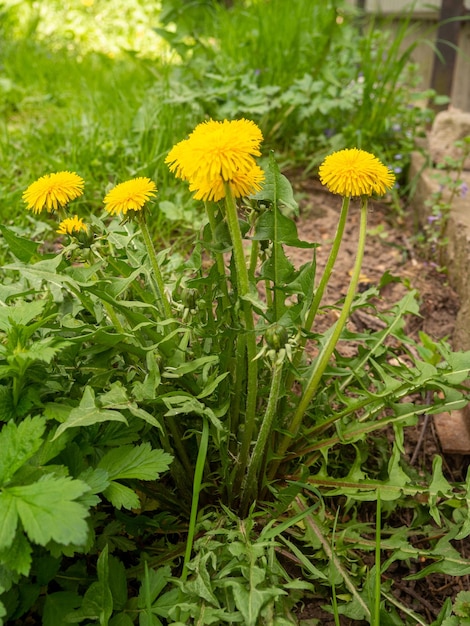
(106, 87)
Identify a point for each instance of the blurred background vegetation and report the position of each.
(106, 87)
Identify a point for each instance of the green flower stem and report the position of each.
(253, 259)
(250, 484)
(113, 317)
(198, 474)
(328, 348)
(236, 392)
(329, 265)
(163, 303)
(321, 287)
(218, 256)
(179, 447)
(243, 286)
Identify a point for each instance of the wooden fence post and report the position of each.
(446, 44)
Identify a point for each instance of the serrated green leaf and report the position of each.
(9, 517)
(250, 601)
(48, 510)
(439, 487)
(43, 350)
(23, 249)
(121, 496)
(17, 556)
(140, 462)
(87, 414)
(277, 187)
(18, 444)
(117, 582)
(58, 605)
(102, 568)
(21, 314)
(462, 604)
(152, 585)
(116, 398)
(7, 408)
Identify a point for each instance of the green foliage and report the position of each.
(211, 465)
(121, 427)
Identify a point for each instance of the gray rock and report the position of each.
(448, 127)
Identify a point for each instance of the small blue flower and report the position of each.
(397, 170)
(463, 190)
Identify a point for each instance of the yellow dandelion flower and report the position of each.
(53, 191)
(218, 152)
(72, 225)
(354, 172)
(130, 196)
(242, 184)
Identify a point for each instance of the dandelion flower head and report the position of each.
(53, 191)
(72, 225)
(216, 153)
(130, 196)
(354, 172)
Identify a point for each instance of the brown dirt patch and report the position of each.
(389, 248)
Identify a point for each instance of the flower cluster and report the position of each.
(354, 172)
(218, 154)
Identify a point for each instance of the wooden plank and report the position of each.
(447, 44)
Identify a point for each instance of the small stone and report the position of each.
(448, 127)
(453, 430)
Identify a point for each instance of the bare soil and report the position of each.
(389, 248)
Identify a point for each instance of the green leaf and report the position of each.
(48, 510)
(9, 517)
(116, 398)
(121, 619)
(250, 601)
(20, 314)
(274, 226)
(87, 413)
(43, 350)
(439, 487)
(121, 496)
(140, 462)
(17, 556)
(7, 407)
(277, 188)
(152, 585)
(18, 444)
(103, 578)
(23, 249)
(117, 582)
(58, 605)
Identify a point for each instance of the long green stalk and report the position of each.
(243, 286)
(321, 288)
(329, 265)
(327, 350)
(209, 206)
(377, 581)
(250, 484)
(198, 473)
(163, 304)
